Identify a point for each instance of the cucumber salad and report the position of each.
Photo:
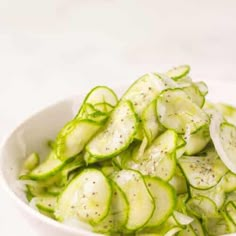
(160, 160)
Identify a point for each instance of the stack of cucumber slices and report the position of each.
(161, 160)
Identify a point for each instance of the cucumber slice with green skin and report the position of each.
(203, 172)
(99, 94)
(169, 227)
(230, 210)
(228, 182)
(74, 136)
(51, 166)
(216, 194)
(103, 107)
(150, 122)
(140, 201)
(181, 202)
(197, 141)
(202, 87)
(143, 91)
(194, 93)
(164, 197)
(159, 159)
(197, 227)
(29, 164)
(202, 207)
(223, 136)
(180, 149)
(178, 72)
(219, 225)
(179, 182)
(118, 215)
(116, 136)
(45, 203)
(176, 111)
(86, 198)
(54, 190)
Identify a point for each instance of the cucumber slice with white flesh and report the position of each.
(197, 227)
(178, 72)
(194, 93)
(143, 91)
(219, 225)
(202, 87)
(74, 136)
(203, 172)
(179, 182)
(197, 141)
(140, 201)
(99, 94)
(150, 122)
(86, 198)
(223, 136)
(48, 168)
(202, 207)
(159, 159)
(176, 111)
(164, 197)
(45, 203)
(118, 213)
(29, 164)
(115, 136)
(216, 194)
(228, 182)
(180, 149)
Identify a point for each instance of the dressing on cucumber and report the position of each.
(159, 161)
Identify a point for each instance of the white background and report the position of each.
(50, 49)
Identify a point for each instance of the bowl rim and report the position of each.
(13, 197)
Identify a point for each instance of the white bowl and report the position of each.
(33, 134)
(30, 136)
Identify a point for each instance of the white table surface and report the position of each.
(51, 49)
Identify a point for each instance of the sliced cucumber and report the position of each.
(178, 72)
(118, 213)
(150, 122)
(74, 136)
(46, 203)
(179, 182)
(203, 172)
(230, 209)
(99, 94)
(182, 219)
(29, 164)
(141, 203)
(219, 225)
(223, 136)
(164, 197)
(202, 87)
(176, 111)
(189, 231)
(216, 194)
(143, 91)
(228, 182)
(86, 198)
(116, 136)
(195, 94)
(202, 207)
(197, 227)
(48, 168)
(159, 159)
(197, 141)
